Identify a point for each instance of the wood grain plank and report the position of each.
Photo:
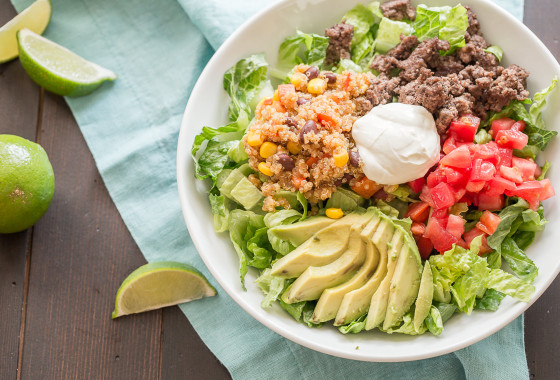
(18, 116)
(81, 253)
(543, 318)
(184, 355)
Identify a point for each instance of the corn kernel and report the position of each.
(268, 149)
(340, 158)
(334, 213)
(298, 79)
(254, 138)
(265, 169)
(316, 86)
(293, 148)
(276, 96)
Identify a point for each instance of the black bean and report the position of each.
(312, 72)
(286, 161)
(338, 182)
(301, 101)
(331, 78)
(354, 158)
(290, 122)
(348, 177)
(309, 126)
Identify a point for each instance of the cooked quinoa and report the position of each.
(309, 122)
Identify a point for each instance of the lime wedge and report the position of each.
(160, 284)
(36, 17)
(56, 68)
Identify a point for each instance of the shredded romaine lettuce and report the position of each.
(447, 23)
(305, 48)
(389, 34)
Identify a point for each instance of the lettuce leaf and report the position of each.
(248, 233)
(496, 50)
(347, 200)
(407, 326)
(520, 264)
(510, 285)
(539, 102)
(447, 23)
(389, 34)
(365, 20)
(507, 218)
(272, 286)
(490, 301)
(243, 82)
(433, 321)
(354, 327)
(302, 48)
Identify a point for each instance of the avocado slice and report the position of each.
(329, 302)
(324, 247)
(405, 283)
(380, 298)
(315, 280)
(425, 296)
(356, 303)
(297, 233)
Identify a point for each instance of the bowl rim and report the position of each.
(184, 151)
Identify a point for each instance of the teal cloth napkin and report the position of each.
(158, 49)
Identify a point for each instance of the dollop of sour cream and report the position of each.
(397, 143)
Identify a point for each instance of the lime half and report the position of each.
(57, 69)
(36, 17)
(160, 284)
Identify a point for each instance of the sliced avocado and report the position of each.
(246, 194)
(298, 233)
(315, 280)
(356, 302)
(405, 283)
(425, 296)
(329, 302)
(324, 247)
(380, 298)
(229, 183)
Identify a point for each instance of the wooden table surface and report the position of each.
(58, 279)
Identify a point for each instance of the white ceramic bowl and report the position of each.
(208, 107)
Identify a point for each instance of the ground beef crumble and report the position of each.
(340, 40)
(398, 10)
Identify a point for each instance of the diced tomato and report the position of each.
(426, 196)
(456, 177)
(418, 212)
(512, 139)
(442, 196)
(326, 119)
(475, 186)
(486, 201)
(440, 237)
(366, 187)
(311, 161)
(487, 152)
(530, 191)
(499, 184)
(458, 158)
(418, 228)
(490, 221)
(442, 215)
(435, 178)
(455, 226)
(470, 235)
(296, 180)
(449, 145)
(347, 81)
(519, 126)
(503, 124)
(548, 190)
(417, 184)
(513, 174)
(286, 92)
(459, 194)
(465, 128)
(482, 171)
(527, 167)
(425, 246)
(467, 198)
(505, 155)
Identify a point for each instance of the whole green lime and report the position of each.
(26, 183)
